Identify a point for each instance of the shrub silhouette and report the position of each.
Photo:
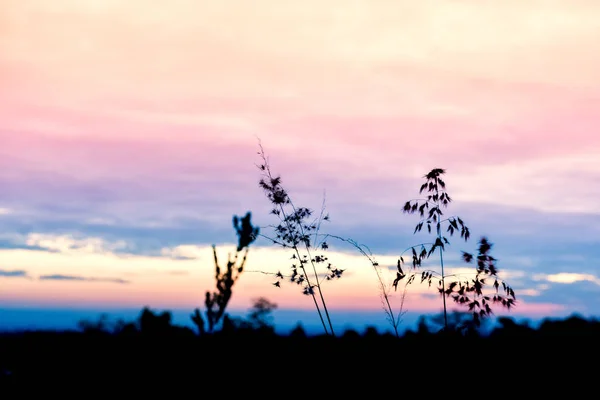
(151, 323)
(258, 322)
(260, 315)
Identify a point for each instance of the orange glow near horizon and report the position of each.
(181, 284)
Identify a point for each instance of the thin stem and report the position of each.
(389, 310)
(318, 284)
(288, 223)
(439, 239)
(388, 307)
(319, 221)
(439, 235)
(415, 246)
(307, 278)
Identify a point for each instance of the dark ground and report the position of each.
(559, 357)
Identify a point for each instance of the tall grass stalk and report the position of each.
(468, 292)
(294, 231)
(384, 291)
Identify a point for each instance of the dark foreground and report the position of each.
(558, 357)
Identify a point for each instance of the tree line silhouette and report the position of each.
(155, 348)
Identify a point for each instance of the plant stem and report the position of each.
(439, 239)
(307, 247)
(312, 293)
(285, 219)
(320, 292)
(389, 311)
(439, 234)
(267, 169)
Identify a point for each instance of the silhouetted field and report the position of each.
(152, 351)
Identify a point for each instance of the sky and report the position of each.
(130, 133)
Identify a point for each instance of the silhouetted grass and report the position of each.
(467, 292)
(298, 232)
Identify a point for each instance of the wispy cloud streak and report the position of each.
(59, 277)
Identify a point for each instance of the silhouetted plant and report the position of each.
(468, 292)
(298, 231)
(471, 292)
(384, 289)
(216, 302)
